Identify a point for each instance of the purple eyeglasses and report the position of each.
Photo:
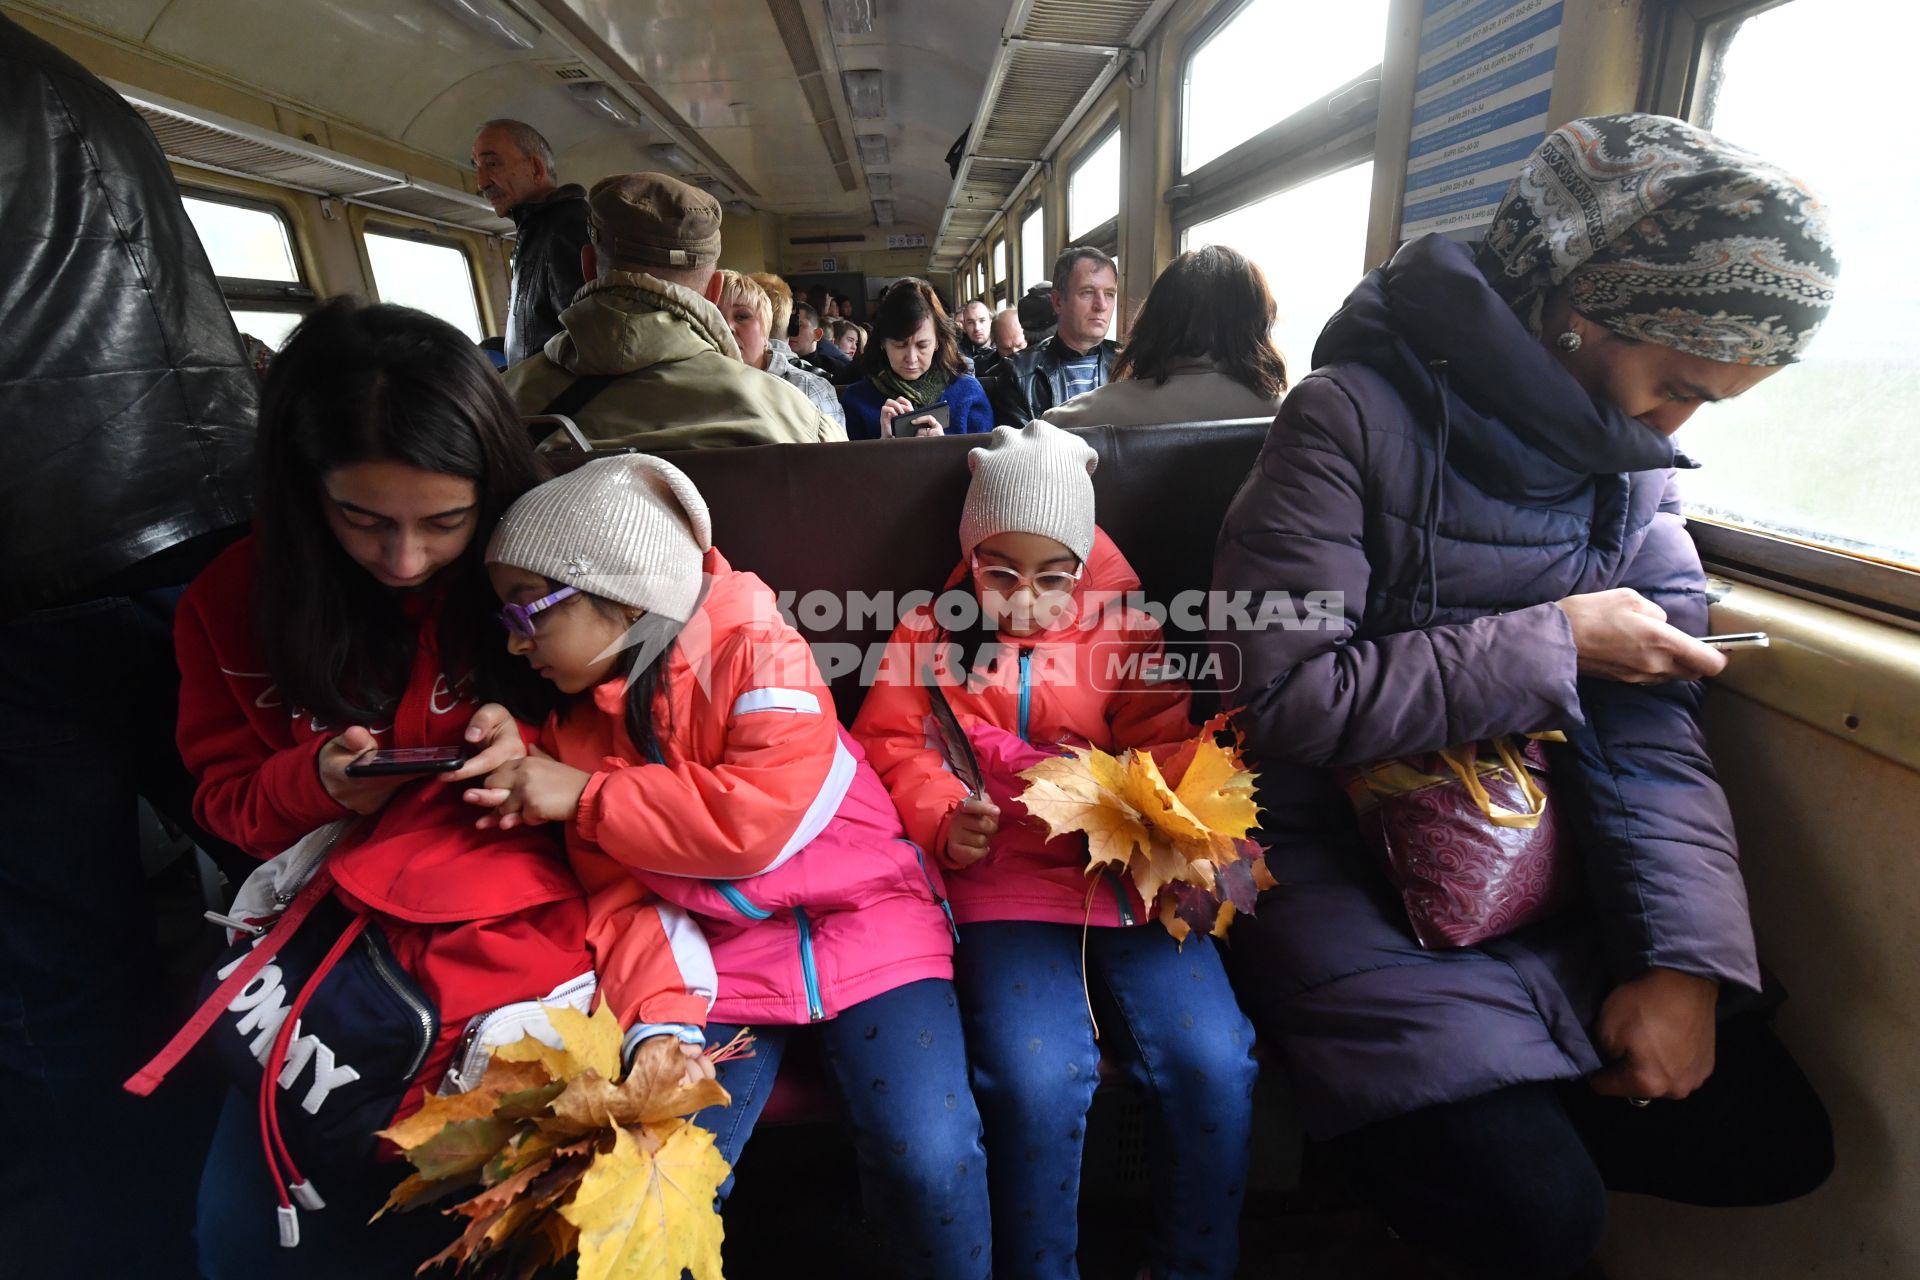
(518, 618)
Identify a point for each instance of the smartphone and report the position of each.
(909, 424)
(409, 760)
(1737, 640)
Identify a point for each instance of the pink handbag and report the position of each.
(1468, 837)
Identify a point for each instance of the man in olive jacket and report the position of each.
(644, 358)
(513, 166)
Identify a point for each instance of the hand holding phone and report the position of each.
(912, 421)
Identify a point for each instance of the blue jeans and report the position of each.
(1168, 1018)
(88, 697)
(899, 1064)
(238, 1232)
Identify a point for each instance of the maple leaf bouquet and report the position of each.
(559, 1156)
(1176, 826)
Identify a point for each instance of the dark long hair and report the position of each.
(359, 384)
(1210, 303)
(903, 307)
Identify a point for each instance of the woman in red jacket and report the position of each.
(1056, 660)
(695, 757)
(356, 617)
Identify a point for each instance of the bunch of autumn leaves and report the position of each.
(1176, 825)
(568, 1158)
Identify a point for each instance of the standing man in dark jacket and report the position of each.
(1078, 357)
(514, 166)
(126, 442)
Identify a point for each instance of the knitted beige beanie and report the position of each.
(630, 529)
(1034, 479)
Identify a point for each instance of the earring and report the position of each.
(1568, 342)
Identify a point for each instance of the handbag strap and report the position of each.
(1461, 761)
(148, 1078)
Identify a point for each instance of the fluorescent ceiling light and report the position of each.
(873, 148)
(738, 208)
(880, 184)
(600, 101)
(883, 212)
(671, 155)
(498, 21)
(865, 97)
(851, 17)
(718, 190)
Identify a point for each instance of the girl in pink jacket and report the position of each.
(695, 757)
(1056, 660)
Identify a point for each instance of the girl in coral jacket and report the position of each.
(695, 758)
(1055, 660)
(352, 619)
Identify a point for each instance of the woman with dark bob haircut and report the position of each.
(1201, 350)
(914, 364)
(358, 616)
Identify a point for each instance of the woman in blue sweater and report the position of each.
(914, 364)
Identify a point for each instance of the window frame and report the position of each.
(1681, 84)
(245, 293)
(1104, 236)
(378, 224)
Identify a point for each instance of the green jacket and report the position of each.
(680, 383)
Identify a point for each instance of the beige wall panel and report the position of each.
(1827, 834)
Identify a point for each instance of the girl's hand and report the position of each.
(970, 830)
(1659, 1030)
(528, 792)
(1622, 635)
(932, 427)
(659, 1055)
(360, 795)
(890, 410)
(497, 735)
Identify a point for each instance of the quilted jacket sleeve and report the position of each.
(1333, 695)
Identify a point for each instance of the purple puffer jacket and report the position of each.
(1444, 472)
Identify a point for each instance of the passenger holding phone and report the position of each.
(916, 383)
(1482, 466)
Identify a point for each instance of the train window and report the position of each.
(1000, 269)
(1233, 89)
(271, 327)
(1814, 453)
(417, 270)
(1308, 240)
(243, 241)
(1034, 265)
(1093, 188)
(250, 246)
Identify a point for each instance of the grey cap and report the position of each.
(1036, 479)
(630, 529)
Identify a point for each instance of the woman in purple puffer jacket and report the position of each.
(1482, 464)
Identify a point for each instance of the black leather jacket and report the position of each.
(1027, 383)
(546, 267)
(127, 404)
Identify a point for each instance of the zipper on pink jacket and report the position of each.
(1026, 716)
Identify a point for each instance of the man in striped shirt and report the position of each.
(1077, 358)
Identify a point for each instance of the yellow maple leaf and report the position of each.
(1150, 796)
(589, 1102)
(1218, 792)
(649, 1216)
(1068, 794)
(438, 1112)
(587, 1044)
(1163, 862)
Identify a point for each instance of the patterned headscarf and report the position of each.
(1663, 233)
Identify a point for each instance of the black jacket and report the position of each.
(127, 404)
(546, 267)
(1027, 383)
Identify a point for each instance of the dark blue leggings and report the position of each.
(1168, 1018)
(899, 1064)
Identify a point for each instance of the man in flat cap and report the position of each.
(644, 358)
